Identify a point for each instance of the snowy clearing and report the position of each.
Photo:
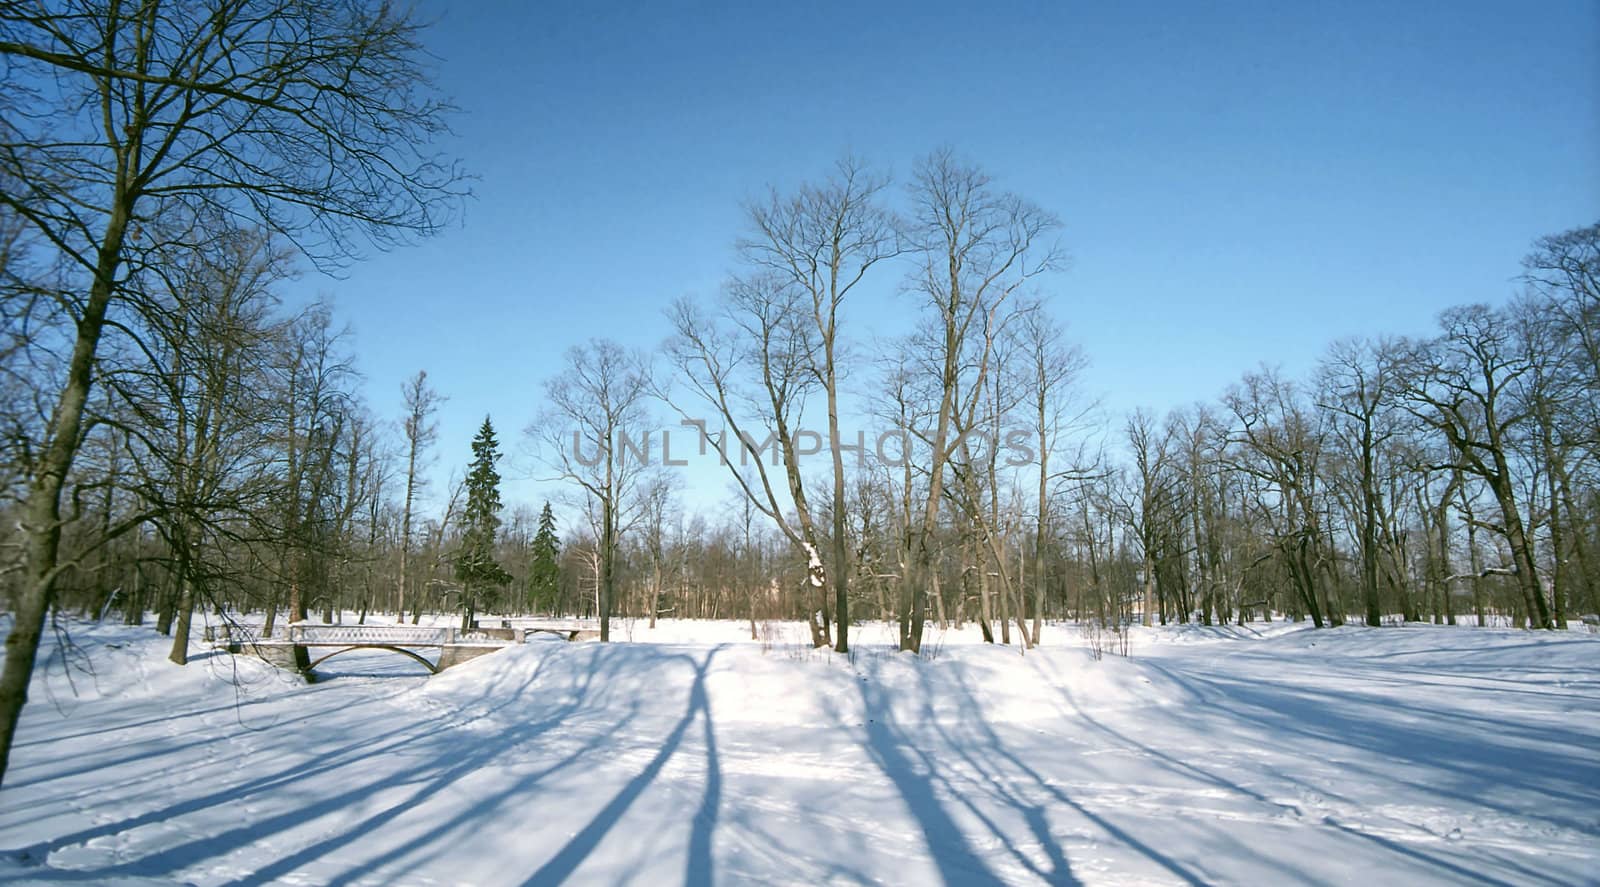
(1272, 754)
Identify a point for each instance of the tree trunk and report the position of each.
(1527, 572)
(655, 589)
(1579, 544)
(405, 526)
(1448, 605)
(180, 637)
(133, 614)
(167, 605)
(1003, 599)
(1558, 551)
(185, 594)
(1369, 536)
(1150, 588)
(607, 553)
(42, 508)
(272, 612)
(840, 572)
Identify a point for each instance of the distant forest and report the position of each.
(227, 462)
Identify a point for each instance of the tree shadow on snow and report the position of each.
(425, 755)
(699, 868)
(1449, 754)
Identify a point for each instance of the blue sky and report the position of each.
(1240, 183)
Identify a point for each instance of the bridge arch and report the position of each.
(431, 667)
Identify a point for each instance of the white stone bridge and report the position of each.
(295, 647)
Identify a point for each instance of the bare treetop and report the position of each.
(313, 119)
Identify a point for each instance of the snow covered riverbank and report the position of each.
(1400, 755)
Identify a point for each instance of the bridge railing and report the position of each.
(546, 623)
(235, 632)
(396, 635)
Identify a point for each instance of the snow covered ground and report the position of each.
(1261, 755)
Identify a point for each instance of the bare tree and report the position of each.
(314, 394)
(1358, 385)
(823, 241)
(307, 119)
(982, 415)
(753, 363)
(203, 432)
(436, 556)
(420, 430)
(1281, 445)
(595, 435)
(906, 393)
(1145, 502)
(1463, 385)
(977, 247)
(1560, 324)
(1050, 367)
(1564, 269)
(1556, 442)
(658, 509)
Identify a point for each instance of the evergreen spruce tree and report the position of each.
(544, 573)
(476, 569)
